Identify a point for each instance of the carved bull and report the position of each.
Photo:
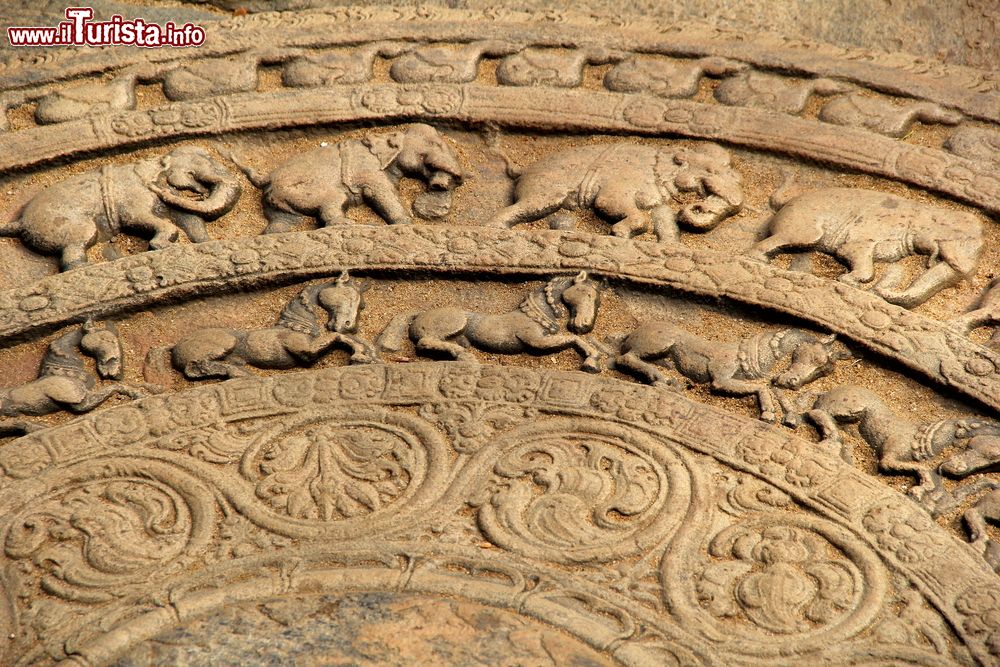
(862, 227)
(633, 185)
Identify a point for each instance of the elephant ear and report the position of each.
(385, 147)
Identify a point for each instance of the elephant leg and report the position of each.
(279, 221)
(334, 211)
(767, 248)
(211, 368)
(18, 427)
(193, 227)
(925, 286)
(631, 220)
(528, 209)
(73, 256)
(384, 200)
(664, 224)
(164, 231)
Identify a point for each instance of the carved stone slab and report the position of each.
(356, 336)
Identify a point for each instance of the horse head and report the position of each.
(102, 344)
(811, 360)
(344, 301)
(982, 452)
(582, 295)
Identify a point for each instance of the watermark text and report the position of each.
(79, 30)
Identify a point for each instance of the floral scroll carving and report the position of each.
(576, 493)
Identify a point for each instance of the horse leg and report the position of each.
(454, 350)
(362, 352)
(317, 347)
(829, 433)
(431, 329)
(646, 369)
(555, 342)
(97, 396)
(211, 368)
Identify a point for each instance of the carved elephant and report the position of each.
(159, 196)
(326, 181)
(634, 185)
(862, 227)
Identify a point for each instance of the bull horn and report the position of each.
(580, 277)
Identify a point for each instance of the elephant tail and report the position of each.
(391, 338)
(491, 137)
(259, 180)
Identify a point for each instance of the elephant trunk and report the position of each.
(725, 198)
(445, 172)
(441, 181)
(221, 199)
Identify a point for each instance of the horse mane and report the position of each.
(544, 305)
(63, 356)
(298, 314)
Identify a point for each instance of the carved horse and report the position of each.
(549, 319)
(905, 446)
(296, 340)
(738, 368)
(901, 445)
(65, 383)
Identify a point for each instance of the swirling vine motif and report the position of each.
(578, 493)
(91, 540)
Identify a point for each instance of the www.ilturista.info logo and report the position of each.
(79, 30)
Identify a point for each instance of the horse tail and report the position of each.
(391, 338)
(616, 340)
(157, 364)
